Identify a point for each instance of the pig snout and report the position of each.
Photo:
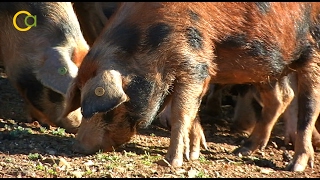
(78, 147)
(72, 121)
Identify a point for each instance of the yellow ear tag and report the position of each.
(99, 91)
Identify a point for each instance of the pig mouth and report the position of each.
(105, 144)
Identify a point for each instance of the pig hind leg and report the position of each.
(308, 112)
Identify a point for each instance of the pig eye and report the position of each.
(62, 70)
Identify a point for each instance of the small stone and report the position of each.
(274, 144)
(77, 174)
(64, 163)
(192, 173)
(239, 155)
(266, 170)
(89, 163)
(180, 171)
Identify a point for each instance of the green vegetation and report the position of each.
(59, 132)
(34, 156)
(43, 129)
(40, 167)
(18, 131)
(148, 159)
(202, 174)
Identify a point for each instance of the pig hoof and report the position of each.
(299, 163)
(176, 163)
(295, 167)
(242, 151)
(194, 155)
(204, 145)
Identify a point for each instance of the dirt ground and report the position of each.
(29, 150)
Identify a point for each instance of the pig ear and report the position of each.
(102, 94)
(57, 70)
(72, 98)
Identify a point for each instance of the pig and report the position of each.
(290, 118)
(249, 107)
(217, 96)
(153, 53)
(42, 61)
(93, 16)
(246, 110)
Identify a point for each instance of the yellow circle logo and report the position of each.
(14, 21)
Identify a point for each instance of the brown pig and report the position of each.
(93, 16)
(42, 60)
(248, 109)
(152, 53)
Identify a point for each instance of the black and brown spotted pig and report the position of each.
(93, 16)
(156, 52)
(42, 61)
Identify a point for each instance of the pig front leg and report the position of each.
(196, 135)
(275, 98)
(186, 131)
